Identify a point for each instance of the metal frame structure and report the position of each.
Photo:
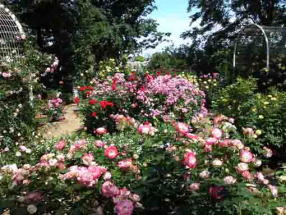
(265, 32)
(11, 34)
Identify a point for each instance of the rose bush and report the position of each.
(177, 168)
(148, 98)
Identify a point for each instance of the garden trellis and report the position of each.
(258, 47)
(11, 34)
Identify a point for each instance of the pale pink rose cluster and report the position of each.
(190, 160)
(124, 200)
(87, 176)
(6, 74)
(52, 68)
(51, 160)
(77, 146)
(55, 103)
(174, 90)
(146, 129)
(123, 122)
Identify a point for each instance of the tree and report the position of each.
(219, 19)
(82, 33)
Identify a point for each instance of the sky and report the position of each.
(172, 17)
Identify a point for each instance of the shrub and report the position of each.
(173, 168)
(264, 112)
(16, 113)
(149, 98)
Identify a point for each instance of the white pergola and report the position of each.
(11, 34)
(267, 42)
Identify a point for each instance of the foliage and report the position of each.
(251, 109)
(88, 32)
(167, 61)
(230, 16)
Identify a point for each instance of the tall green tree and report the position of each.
(219, 19)
(82, 33)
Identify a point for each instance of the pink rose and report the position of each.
(194, 186)
(273, 190)
(60, 145)
(192, 136)
(107, 176)
(108, 189)
(99, 143)
(190, 160)
(111, 152)
(246, 156)
(229, 180)
(100, 131)
(247, 175)
(125, 164)
(216, 133)
(124, 207)
(182, 128)
(34, 196)
(146, 129)
(87, 159)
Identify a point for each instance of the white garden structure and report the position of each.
(11, 34)
(256, 43)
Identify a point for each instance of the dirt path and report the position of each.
(69, 125)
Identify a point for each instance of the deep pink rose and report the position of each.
(111, 152)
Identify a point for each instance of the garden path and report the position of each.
(69, 125)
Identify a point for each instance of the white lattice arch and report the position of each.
(11, 34)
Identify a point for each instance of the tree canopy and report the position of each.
(82, 33)
(219, 19)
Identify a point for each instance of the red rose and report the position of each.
(82, 88)
(92, 101)
(105, 104)
(76, 100)
(93, 114)
(114, 83)
(88, 93)
(217, 192)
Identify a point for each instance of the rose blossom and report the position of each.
(181, 127)
(205, 174)
(111, 152)
(34, 196)
(217, 192)
(229, 180)
(273, 190)
(217, 163)
(100, 131)
(32, 209)
(124, 207)
(216, 133)
(242, 167)
(246, 156)
(99, 143)
(107, 176)
(125, 164)
(108, 189)
(247, 175)
(267, 152)
(190, 160)
(60, 145)
(194, 186)
(238, 144)
(146, 128)
(87, 159)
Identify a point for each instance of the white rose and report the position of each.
(32, 209)
(217, 163)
